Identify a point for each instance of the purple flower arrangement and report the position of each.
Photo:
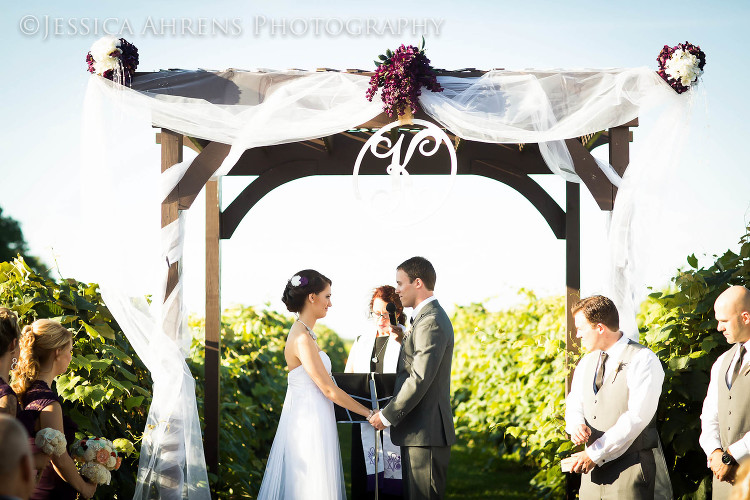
(681, 66)
(401, 75)
(113, 58)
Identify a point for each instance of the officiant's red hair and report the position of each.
(388, 295)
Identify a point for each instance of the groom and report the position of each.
(420, 412)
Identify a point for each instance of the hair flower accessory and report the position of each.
(298, 280)
(681, 66)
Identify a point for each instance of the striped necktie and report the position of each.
(599, 379)
(738, 364)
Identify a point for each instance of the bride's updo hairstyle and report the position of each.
(39, 341)
(300, 286)
(9, 330)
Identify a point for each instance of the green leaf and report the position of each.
(692, 261)
(132, 402)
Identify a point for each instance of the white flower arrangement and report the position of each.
(51, 441)
(106, 53)
(683, 66)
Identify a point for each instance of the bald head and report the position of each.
(16, 476)
(732, 310)
(736, 297)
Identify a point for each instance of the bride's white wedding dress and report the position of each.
(305, 459)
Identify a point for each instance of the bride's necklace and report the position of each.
(377, 356)
(309, 330)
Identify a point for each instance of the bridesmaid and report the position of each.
(9, 334)
(46, 352)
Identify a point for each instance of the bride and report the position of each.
(305, 459)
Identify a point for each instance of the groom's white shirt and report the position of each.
(413, 316)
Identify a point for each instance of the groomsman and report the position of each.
(611, 407)
(725, 420)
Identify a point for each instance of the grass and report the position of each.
(468, 479)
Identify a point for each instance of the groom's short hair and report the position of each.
(419, 267)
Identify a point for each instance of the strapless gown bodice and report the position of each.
(305, 458)
(298, 377)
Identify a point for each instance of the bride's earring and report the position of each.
(13, 363)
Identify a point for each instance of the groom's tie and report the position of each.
(599, 379)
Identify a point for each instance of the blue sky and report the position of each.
(496, 242)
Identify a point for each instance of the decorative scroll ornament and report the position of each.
(405, 201)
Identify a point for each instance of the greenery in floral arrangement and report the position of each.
(253, 386)
(401, 76)
(679, 326)
(107, 389)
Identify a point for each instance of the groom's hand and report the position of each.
(376, 422)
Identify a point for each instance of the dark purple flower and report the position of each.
(402, 76)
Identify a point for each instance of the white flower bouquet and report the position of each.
(50, 441)
(98, 456)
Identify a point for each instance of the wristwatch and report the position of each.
(727, 459)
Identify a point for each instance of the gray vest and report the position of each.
(734, 417)
(601, 410)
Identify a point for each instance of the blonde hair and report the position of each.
(9, 330)
(38, 342)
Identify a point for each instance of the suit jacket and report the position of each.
(420, 412)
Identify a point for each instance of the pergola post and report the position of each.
(211, 400)
(171, 154)
(572, 274)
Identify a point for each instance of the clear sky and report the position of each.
(486, 241)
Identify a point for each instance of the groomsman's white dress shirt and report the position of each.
(709, 439)
(645, 378)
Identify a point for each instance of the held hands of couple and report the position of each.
(375, 421)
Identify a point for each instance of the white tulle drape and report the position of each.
(246, 110)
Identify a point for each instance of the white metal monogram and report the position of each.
(428, 141)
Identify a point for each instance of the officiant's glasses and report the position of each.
(378, 315)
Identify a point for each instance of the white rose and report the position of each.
(90, 454)
(296, 280)
(683, 66)
(101, 50)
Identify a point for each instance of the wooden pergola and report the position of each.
(273, 166)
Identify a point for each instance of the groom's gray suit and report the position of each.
(420, 412)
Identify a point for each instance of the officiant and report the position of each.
(376, 351)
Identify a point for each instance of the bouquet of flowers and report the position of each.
(98, 456)
(401, 75)
(50, 441)
(113, 58)
(681, 66)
